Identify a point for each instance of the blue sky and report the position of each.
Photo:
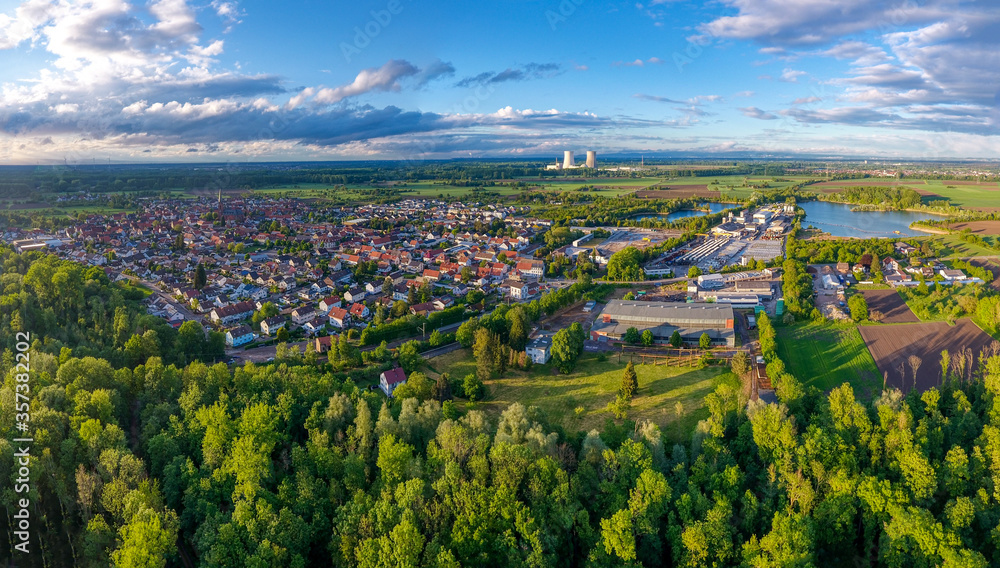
(220, 80)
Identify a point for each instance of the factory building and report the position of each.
(663, 318)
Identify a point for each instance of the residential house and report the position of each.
(239, 336)
(271, 325)
(952, 275)
(314, 325)
(355, 295)
(359, 312)
(523, 290)
(339, 318)
(539, 349)
(531, 268)
(231, 313)
(330, 302)
(391, 379)
(302, 315)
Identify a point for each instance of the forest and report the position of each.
(159, 461)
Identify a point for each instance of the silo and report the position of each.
(591, 159)
(567, 159)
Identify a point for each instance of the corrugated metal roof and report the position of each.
(680, 314)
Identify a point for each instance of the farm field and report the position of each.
(893, 345)
(891, 304)
(971, 195)
(825, 355)
(592, 386)
(978, 227)
(968, 194)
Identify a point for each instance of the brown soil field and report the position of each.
(892, 306)
(978, 227)
(926, 192)
(892, 346)
(678, 192)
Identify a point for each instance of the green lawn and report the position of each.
(956, 246)
(826, 355)
(592, 386)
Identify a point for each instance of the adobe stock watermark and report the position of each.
(693, 50)
(562, 12)
(363, 35)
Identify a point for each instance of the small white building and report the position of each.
(540, 349)
(389, 380)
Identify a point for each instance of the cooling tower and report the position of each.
(568, 159)
(591, 159)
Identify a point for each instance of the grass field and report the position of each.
(826, 355)
(592, 386)
(956, 246)
(971, 195)
(965, 194)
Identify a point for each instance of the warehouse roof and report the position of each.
(680, 314)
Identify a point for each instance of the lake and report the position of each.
(685, 213)
(838, 220)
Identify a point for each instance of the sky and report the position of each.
(232, 80)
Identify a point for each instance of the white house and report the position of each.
(389, 380)
(952, 275)
(339, 317)
(330, 302)
(540, 349)
(271, 325)
(355, 295)
(302, 315)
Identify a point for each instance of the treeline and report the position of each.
(878, 197)
(797, 289)
(75, 308)
(409, 325)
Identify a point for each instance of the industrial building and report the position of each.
(569, 162)
(691, 320)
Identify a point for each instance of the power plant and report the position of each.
(569, 163)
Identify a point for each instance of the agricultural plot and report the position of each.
(894, 346)
(891, 305)
(827, 355)
(968, 194)
(978, 227)
(592, 386)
